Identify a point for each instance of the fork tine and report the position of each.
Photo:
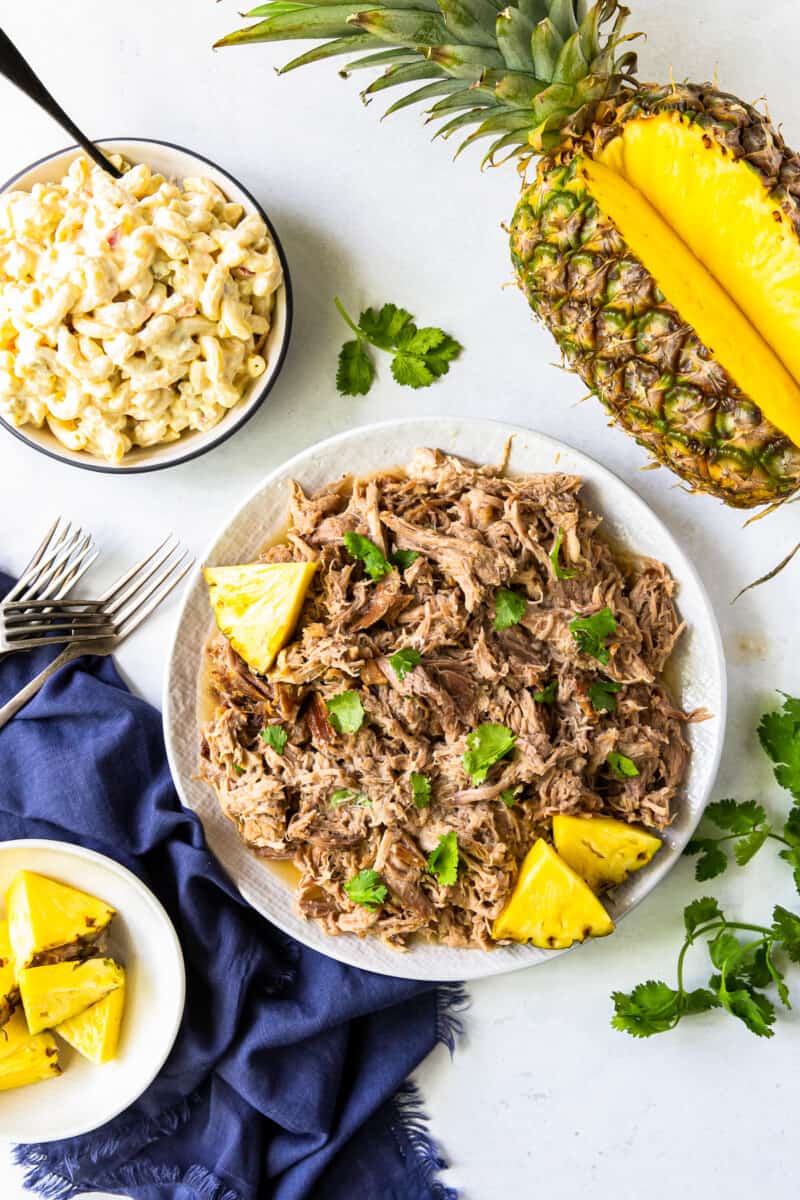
(145, 587)
(133, 619)
(66, 571)
(29, 570)
(76, 574)
(46, 569)
(99, 624)
(117, 586)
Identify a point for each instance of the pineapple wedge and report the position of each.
(44, 915)
(54, 993)
(257, 605)
(603, 851)
(9, 992)
(25, 1059)
(551, 906)
(94, 1033)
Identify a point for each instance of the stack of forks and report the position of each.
(36, 612)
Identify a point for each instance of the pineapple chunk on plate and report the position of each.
(603, 851)
(94, 1033)
(44, 915)
(256, 606)
(54, 993)
(550, 906)
(26, 1058)
(9, 992)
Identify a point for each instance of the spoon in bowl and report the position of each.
(14, 67)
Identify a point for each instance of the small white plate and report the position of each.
(143, 939)
(697, 669)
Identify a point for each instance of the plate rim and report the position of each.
(76, 850)
(656, 871)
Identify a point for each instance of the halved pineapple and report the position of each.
(551, 906)
(9, 992)
(603, 851)
(94, 1033)
(25, 1058)
(256, 606)
(44, 916)
(58, 991)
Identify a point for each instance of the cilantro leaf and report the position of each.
(786, 931)
(622, 767)
(559, 571)
(419, 341)
(547, 695)
(355, 371)
(402, 559)
(366, 889)
(700, 912)
(791, 830)
(712, 860)
(385, 326)
(735, 816)
(371, 556)
(748, 846)
(443, 861)
(754, 1009)
(420, 789)
(346, 712)
(699, 1001)
(650, 1008)
(486, 745)
(779, 734)
(509, 796)
(725, 951)
(349, 796)
(404, 661)
(239, 769)
(792, 857)
(601, 694)
(411, 371)
(509, 608)
(590, 634)
(275, 736)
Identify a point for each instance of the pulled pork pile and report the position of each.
(474, 531)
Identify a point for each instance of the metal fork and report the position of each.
(61, 559)
(128, 602)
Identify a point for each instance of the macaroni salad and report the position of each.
(131, 310)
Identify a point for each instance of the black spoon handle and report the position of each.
(15, 68)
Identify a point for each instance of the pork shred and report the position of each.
(473, 530)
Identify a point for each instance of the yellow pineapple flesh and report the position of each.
(52, 994)
(601, 850)
(44, 915)
(25, 1058)
(94, 1033)
(256, 606)
(551, 906)
(9, 993)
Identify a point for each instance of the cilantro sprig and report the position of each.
(276, 737)
(403, 661)
(346, 712)
(559, 571)
(621, 766)
(420, 789)
(419, 355)
(486, 745)
(509, 608)
(744, 967)
(443, 860)
(591, 633)
(373, 558)
(601, 694)
(366, 889)
(346, 795)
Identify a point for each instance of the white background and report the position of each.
(542, 1097)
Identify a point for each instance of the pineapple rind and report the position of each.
(9, 992)
(54, 993)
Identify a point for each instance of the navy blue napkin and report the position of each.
(288, 1077)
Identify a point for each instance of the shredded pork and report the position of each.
(474, 531)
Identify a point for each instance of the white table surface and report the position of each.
(542, 1095)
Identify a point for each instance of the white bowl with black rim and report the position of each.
(175, 163)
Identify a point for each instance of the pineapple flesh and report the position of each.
(603, 851)
(48, 919)
(26, 1058)
(94, 1033)
(550, 906)
(660, 239)
(9, 992)
(52, 994)
(257, 605)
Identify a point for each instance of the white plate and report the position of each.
(699, 668)
(144, 941)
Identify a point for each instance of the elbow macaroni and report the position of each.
(131, 310)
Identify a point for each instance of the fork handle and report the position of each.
(37, 683)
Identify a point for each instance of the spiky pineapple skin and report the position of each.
(617, 331)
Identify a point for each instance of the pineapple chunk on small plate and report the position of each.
(141, 937)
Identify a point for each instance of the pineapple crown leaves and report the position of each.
(515, 73)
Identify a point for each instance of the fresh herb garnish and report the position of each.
(744, 968)
(420, 356)
(443, 861)
(276, 737)
(420, 789)
(509, 795)
(371, 556)
(559, 571)
(486, 745)
(590, 633)
(621, 766)
(779, 734)
(601, 694)
(404, 661)
(348, 796)
(547, 695)
(238, 769)
(402, 559)
(346, 712)
(366, 889)
(509, 608)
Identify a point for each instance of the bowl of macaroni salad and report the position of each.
(142, 320)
